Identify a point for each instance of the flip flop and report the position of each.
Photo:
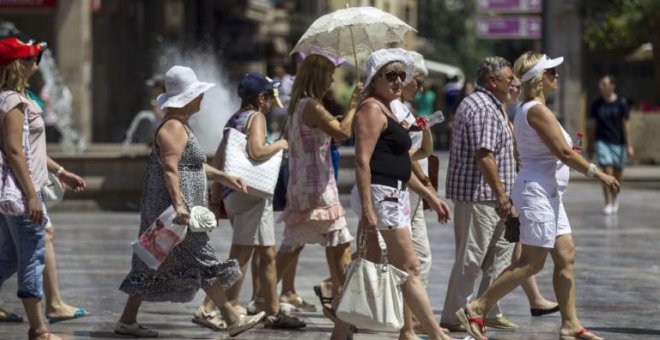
(578, 335)
(79, 313)
(11, 317)
(467, 321)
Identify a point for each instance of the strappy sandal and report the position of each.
(324, 300)
(581, 335)
(211, 321)
(301, 305)
(326, 304)
(467, 321)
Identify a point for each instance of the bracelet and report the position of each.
(59, 171)
(591, 172)
(426, 181)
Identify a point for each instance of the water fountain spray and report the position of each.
(60, 99)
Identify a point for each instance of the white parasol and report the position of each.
(347, 32)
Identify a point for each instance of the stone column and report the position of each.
(562, 35)
(73, 27)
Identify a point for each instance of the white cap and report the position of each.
(543, 64)
(418, 61)
(181, 87)
(382, 57)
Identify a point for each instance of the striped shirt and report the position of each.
(480, 123)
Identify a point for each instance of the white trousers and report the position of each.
(420, 236)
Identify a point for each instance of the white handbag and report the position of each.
(371, 297)
(53, 191)
(260, 176)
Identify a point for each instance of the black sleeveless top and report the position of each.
(390, 161)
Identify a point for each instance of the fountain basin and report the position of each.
(115, 175)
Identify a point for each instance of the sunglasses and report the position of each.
(551, 71)
(34, 58)
(392, 76)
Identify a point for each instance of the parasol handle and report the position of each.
(357, 72)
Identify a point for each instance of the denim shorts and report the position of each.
(609, 154)
(22, 249)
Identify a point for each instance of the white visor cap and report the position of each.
(543, 64)
(382, 57)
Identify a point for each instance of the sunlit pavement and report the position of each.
(617, 275)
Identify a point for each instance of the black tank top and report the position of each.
(390, 161)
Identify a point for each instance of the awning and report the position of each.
(449, 70)
(642, 53)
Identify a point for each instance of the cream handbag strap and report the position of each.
(381, 244)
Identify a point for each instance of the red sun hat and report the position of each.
(13, 48)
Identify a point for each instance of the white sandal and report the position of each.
(211, 321)
(135, 330)
(244, 323)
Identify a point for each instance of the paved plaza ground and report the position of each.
(617, 269)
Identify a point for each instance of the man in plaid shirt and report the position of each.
(480, 174)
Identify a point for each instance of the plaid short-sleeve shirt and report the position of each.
(480, 123)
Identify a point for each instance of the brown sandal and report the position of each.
(283, 321)
(33, 335)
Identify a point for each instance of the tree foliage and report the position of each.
(448, 26)
(620, 24)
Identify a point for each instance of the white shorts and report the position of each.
(542, 214)
(391, 205)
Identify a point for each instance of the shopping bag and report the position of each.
(371, 297)
(260, 176)
(153, 246)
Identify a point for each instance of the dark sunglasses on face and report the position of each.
(391, 76)
(34, 58)
(551, 71)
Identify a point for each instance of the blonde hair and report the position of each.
(310, 80)
(533, 87)
(12, 77)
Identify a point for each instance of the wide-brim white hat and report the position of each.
(543, 64)
(181, 87)
(382, 57)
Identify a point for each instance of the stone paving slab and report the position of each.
(617, 268)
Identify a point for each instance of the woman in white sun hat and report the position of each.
(383, 173)
(176, 175)
(546, 156)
